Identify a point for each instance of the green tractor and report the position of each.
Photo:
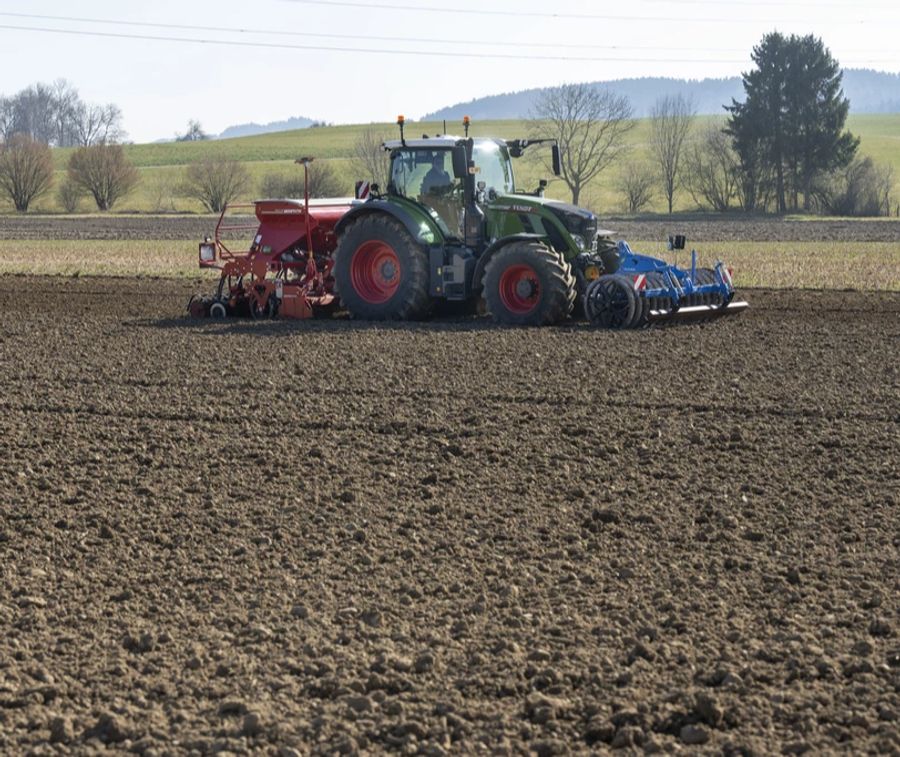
(452, 225)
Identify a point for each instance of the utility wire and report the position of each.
(519, 13)
(376, 38)
(777, 3)
(382, 51)
(428, 40)
(358, 50)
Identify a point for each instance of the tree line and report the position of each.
(55, 115)
(43, 116)
(784, 148)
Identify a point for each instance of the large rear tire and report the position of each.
(380, 272)
(528, 284)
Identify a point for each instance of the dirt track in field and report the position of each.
(330, 536)
(699, 228)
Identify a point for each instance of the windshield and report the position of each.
(420, 172)
(495, 168)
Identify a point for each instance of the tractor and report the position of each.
(453, 226)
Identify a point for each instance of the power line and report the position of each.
(377, 38)
(576, 16)
(382, 51)
(358, 50)
(363, 37)
(392, 51)
(811, 4)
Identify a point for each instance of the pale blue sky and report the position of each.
(160, 84)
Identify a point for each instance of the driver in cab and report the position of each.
(437, 180)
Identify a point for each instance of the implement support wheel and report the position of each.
(612, 303)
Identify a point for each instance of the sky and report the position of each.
(359, 61)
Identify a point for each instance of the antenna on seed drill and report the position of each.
(466, 124)
(305, 161)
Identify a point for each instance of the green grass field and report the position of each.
(162, 165)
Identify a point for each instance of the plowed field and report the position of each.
(327, 537)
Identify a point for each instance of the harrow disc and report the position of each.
(707, 276)
(656, 306)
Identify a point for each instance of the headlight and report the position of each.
(579, 242)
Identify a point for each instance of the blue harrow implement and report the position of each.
(640, 290)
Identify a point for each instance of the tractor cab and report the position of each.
(435, 172)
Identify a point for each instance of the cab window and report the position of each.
(494, 167)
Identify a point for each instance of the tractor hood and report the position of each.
(577, 220)
(569, 229)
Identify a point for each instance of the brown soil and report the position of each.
(333, 536)
(698, 228)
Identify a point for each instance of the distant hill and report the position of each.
(248, 130)
(868, 91)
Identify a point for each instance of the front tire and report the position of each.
(380, 271)
(528, 284)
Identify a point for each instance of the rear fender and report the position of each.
(495, 247)
(381, 206)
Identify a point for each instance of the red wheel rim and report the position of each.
(375, 271)
(520, 289)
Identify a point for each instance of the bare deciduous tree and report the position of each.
(97, 124)
(104, 172)
(590, 126)
(670, 121)
(323, 182)
(863, 188)
(216, 182)
(66, 102)
(370, 159)
(713, 169)
(56, 115)
(636, 185)
(69, 195)
(162, 189)
(26, 170)
(7, 118)
(35, 113)
(194, 133)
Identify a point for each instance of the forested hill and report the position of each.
(246, 130)
(868, 91)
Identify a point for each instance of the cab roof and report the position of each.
(443, 142)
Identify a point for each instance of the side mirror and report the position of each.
(557, 160)
(460, 166)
